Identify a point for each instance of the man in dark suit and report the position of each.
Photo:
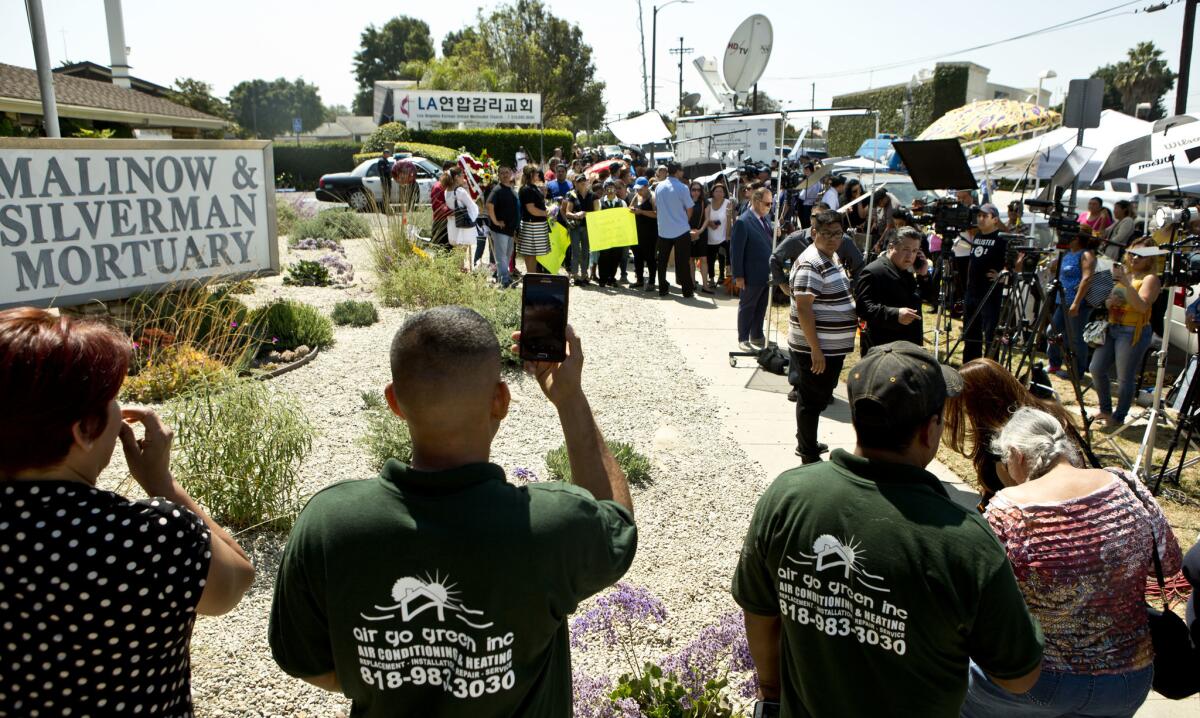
(886, 294)
(750, 253)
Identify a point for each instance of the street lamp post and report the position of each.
(1046, 75)
(654, 51)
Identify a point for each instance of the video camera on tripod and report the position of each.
(1056, 215)
(1023, 258)
(949, 217)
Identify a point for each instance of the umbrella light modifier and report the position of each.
(1169, 153)
(991, 119)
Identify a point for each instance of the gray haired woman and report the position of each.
(1079, 541)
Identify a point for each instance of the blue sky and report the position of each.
(223, 42)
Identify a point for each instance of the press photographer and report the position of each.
(887, 296)
(981, 308)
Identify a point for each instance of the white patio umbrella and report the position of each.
(1042, 155)
(1166, 156)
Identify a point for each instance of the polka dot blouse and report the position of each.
(98, 597)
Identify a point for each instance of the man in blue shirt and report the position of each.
(558, 187)
(673, 201)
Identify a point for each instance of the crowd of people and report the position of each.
(438, 588)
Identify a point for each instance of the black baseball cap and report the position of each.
(899, 385)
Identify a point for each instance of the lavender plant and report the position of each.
(314, 243)
(690, 683)
(340, 270)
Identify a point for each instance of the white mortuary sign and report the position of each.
(84, 220)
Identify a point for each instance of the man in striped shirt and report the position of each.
(823, 324)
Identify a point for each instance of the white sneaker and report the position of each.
(746, 347)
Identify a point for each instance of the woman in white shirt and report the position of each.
(462, 238)
(718, 234)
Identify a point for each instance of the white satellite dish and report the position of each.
(747, 53)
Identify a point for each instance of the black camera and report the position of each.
(949, 217)
(1056, 215)
(1022, 258)
(1182, 270)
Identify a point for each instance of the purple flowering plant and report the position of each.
(690, 683)
(527, 475)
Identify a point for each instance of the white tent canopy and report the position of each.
(860, 163)
(640, 130)
(1042, 155)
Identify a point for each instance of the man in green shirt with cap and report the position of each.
(866, 589)
(438, 588)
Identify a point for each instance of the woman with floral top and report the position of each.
(1080, 543)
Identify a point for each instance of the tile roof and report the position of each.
(358, 125)
(22, 83)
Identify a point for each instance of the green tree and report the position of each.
(330, 113)
(530, 50)
(199, 96)
(388, 53)
(266, 109)
(1143, 76)
(452, 40)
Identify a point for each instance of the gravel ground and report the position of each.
(691, 518)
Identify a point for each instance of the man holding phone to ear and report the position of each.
(437, 587)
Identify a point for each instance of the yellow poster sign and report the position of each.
(559, 242)
(610, 228)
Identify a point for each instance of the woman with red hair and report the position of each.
(98, 593)
(990, 396)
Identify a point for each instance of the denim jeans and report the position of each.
(1120, 350)
(502, 247)
(1116, 695)
(1071, 329)
(580, 255)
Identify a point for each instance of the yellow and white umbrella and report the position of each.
(991, 120)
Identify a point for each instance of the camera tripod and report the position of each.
(1186, 424)
(1055, 296)
(1015, 330)
(945, 300)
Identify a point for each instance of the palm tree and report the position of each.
(1143, 77)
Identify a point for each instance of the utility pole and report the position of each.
(41, 55)
(1185, 56)
(812, 122)
(680, 51)
(642, 35)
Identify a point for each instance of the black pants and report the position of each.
(813, 394)
(805, 214)
(643, 257)
(609, 260)
(717, 253)
(683, 263)
(979, 333)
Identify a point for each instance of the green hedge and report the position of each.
(930, 100)
(501, 144)
(301, 166)
(435, 153)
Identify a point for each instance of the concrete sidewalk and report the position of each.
(764, 422)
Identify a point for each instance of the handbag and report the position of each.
(462, 218)
(1176, 659)
(1095, 333)
(1102, 283)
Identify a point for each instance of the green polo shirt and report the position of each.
(444, 593)
(885, 588)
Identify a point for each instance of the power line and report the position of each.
(1076, 22)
